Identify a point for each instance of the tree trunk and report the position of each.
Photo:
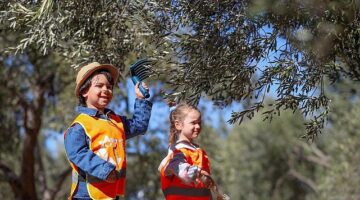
(32, 124)
(27, 167)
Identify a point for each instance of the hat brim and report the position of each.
(113, 71)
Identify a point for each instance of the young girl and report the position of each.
(185, 171)
(95, 141)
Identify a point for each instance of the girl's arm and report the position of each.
(179, 167)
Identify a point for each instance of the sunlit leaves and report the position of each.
(238, 50)
(231, 50)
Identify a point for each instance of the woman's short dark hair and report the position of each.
(85, 86)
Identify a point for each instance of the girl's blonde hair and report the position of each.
(178, 114)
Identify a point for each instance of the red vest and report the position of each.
(107, 140)
(172, 186)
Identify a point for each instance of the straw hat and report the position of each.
(87, 70)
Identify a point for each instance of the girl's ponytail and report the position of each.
(173, 136)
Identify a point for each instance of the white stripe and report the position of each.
(185, 145)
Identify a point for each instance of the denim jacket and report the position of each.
(77, 143)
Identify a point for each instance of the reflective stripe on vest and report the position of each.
(106, 140)
(195, 192)
(93, 179)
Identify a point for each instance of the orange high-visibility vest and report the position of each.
(107, 140)
(172, 186)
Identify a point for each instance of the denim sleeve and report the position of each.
(78, 152)
(140, 121)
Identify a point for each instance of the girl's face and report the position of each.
(190, 127)
(99, 94)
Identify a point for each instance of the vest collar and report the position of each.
(91, 111)
(183, 144)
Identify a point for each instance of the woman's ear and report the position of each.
(178, 125)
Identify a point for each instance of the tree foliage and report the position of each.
(236, 50)
(216, 49)
(81, 31)
(227, 50)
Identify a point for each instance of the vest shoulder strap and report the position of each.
(183, 144)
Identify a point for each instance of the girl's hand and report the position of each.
(206, 179)
(138, 93)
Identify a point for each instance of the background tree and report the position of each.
(341, 141)
(266, 161)
(29, 80)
